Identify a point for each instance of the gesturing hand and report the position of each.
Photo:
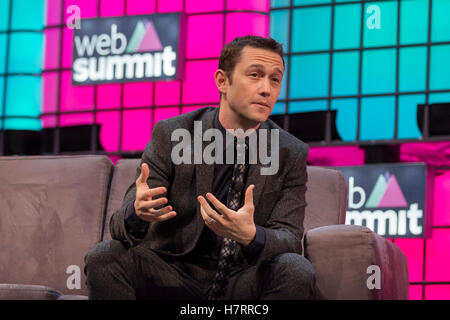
(236, 225)
(144, 204)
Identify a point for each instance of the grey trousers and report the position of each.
(115, 272)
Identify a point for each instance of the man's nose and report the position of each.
(264, 88)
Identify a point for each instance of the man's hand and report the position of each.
(236, 225)
(144, 204)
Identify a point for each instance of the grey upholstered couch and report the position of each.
(54, 209)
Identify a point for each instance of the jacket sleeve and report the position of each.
(284, 228)
(157, 156)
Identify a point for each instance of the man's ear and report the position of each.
(221, 80)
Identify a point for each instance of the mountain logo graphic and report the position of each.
(144, 38)
(386, 193)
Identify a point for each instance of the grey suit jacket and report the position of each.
(279, 199)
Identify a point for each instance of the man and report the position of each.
(245, 242)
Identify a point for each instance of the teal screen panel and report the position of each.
(348, 1)
(2, 82)
(345, 73)
(347, 26)
(279, 3)
(378, 74)
(413, 69)
(23, 98)
(21, 123)
(4, 15)
(311, 29)
(377, 118)
(2, 52)
(380, 27)
(279, 27)
(280, 108)
(413, 22)
(440, 26)
(306, 2)
(407, 119)
(346, 117)
(21, 58)
(283, 90)
(309, 76)
(440, 67)
(28, 15)
(308, 106)
(439, 97)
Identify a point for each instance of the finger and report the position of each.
(210, 213)
(147, 205)
(248, 202)
(142, 179)
(150, 217)
(160, 212)
(223, 209)
(166, 216)
(207, 220)
(155, 192)
(150, 193)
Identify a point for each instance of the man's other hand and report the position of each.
(236, 225)
(144, 205)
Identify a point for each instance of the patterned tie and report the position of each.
(228, 246)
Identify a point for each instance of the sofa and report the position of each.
(53, 209)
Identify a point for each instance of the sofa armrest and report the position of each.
(27, 292)
(341, 255)
(73, 297)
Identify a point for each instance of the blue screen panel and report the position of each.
(440, 67)
(279, 27)
(377, 118)
(308, 106)
(414, 21)
(345, 73)
(407, 119)
(380, 27)
(347, 26)
(346, 117)
(21, 58)
(309, 76)
(378, 74)
(28, 15)
(24, 95)
(413, 69)
(311, 29)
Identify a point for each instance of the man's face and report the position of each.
(255, 85)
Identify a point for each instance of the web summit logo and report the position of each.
(387, 211)
(128, 49)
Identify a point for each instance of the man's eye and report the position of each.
(276, 80)
(253, 74)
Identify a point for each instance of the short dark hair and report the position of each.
(232, 51)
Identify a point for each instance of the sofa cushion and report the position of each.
(51, 214)
(27, 292)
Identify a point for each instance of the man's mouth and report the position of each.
(263, 104)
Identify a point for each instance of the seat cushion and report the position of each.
(51, 214)
(27, 292)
